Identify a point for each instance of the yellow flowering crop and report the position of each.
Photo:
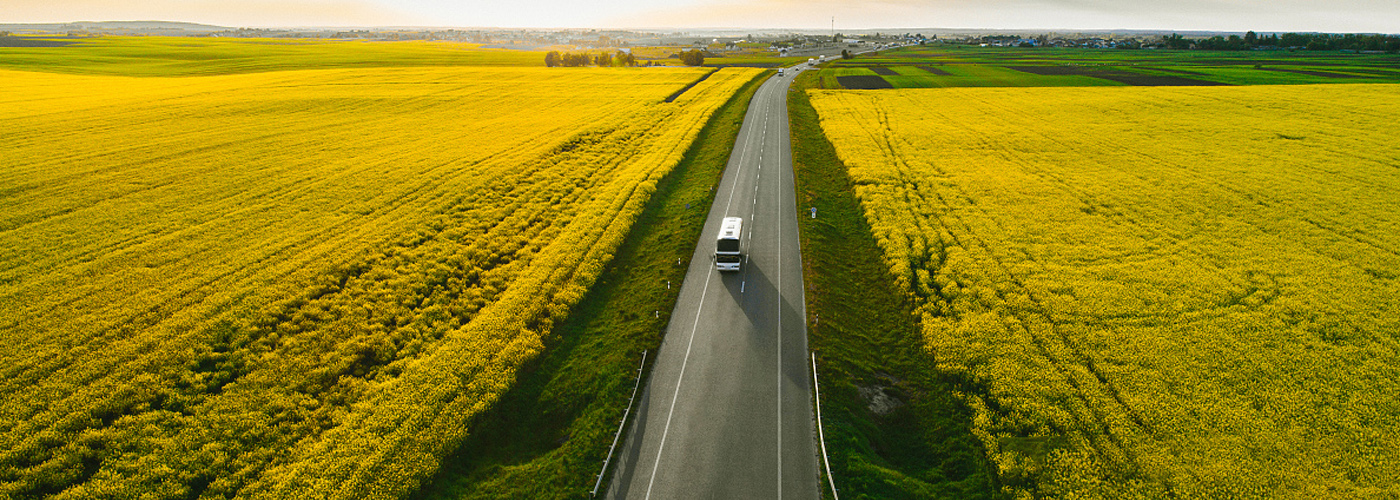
(1153, 291)
(302, 283)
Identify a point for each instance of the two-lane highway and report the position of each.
(727, 411)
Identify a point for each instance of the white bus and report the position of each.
(727, 253)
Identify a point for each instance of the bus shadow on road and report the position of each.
(760, 302)
(756, 294)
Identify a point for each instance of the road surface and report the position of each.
(727, 411)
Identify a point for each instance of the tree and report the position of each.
(1251, 38)
(692, 58)
(574, 60)
(626, 58)
(603, 60)
(1176, 41)
(846, 54)
(552, 59)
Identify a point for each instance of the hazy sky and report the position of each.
(1226, 15)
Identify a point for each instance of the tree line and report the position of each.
(554, 58)
(1309, 41)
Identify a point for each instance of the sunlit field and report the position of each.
(1150, 291)
(300, 283)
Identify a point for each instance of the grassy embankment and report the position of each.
(548, 436)
(867, 342)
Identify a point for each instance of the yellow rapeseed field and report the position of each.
(301, 284)
(1153, 292)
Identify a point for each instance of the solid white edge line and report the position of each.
(667, 429)
(821, 437)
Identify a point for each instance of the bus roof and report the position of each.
(730, 227)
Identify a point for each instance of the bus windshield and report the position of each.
(727, 246)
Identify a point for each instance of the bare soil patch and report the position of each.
(936, 71)
(881, 70)
(863, 82)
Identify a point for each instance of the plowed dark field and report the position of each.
(863, 82)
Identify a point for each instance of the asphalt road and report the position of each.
(727, 411)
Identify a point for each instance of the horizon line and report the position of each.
(658, 29)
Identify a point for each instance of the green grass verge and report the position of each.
(867, 339)
(547, 437)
